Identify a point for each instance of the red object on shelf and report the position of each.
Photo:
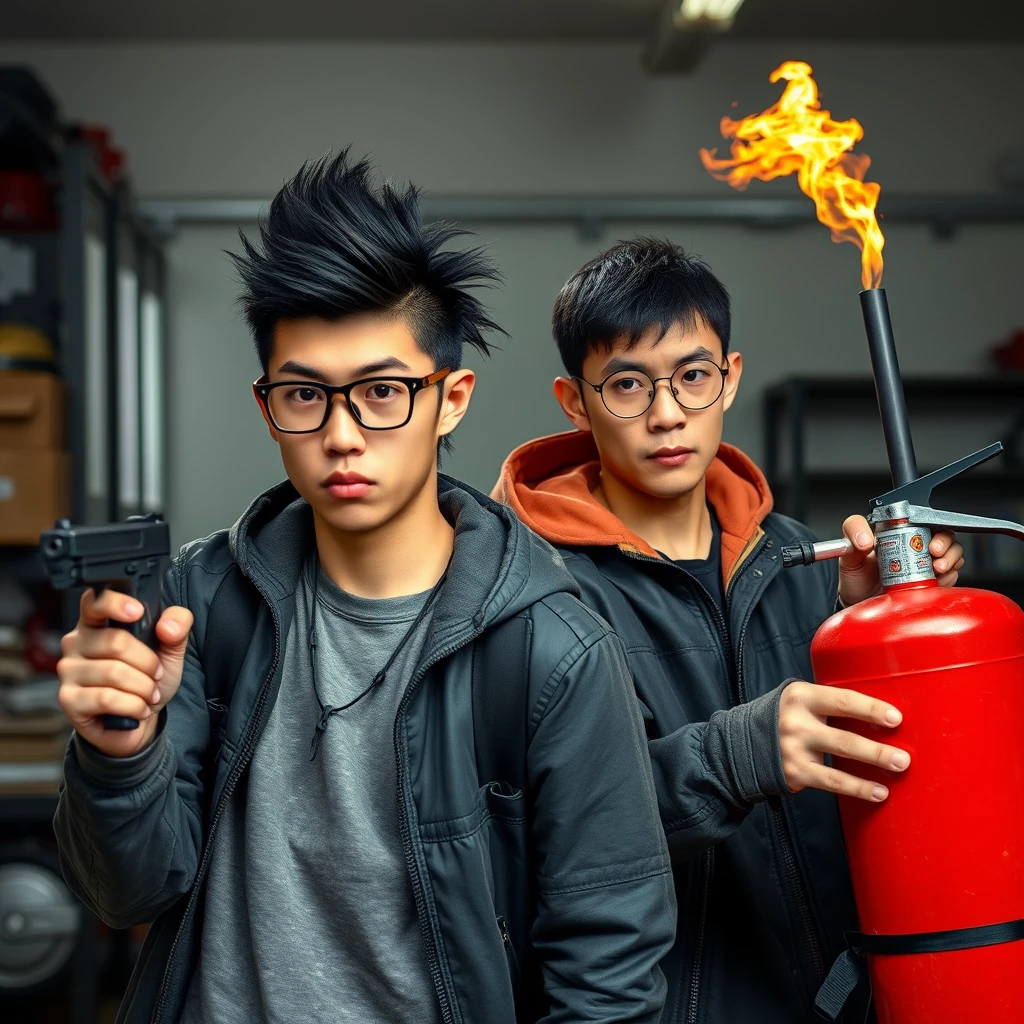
(25, 202)
(117, 164)
(945, 851)
(1010, 354)
(110, 160)
(42, 645)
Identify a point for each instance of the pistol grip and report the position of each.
(143, 582)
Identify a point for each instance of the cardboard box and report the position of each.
(35, 489)
(33, 738)
(31, 410)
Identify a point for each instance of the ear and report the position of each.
(266, 416)
(569, 398)
(732, 382)
(458, 391)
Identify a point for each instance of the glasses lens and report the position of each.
(697, 385)
(627, 393)
(297, 406)
(381, 404)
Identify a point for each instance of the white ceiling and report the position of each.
(495, 20)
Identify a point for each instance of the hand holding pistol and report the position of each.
(122, 662)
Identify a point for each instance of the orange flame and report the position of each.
(796, 135)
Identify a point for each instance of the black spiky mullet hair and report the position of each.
(335, 244)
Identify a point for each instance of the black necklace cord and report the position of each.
(327, 712)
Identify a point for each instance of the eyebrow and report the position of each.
(312, 373)
(618, 364)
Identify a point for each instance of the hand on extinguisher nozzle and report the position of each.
(805, 737)
(858, 569)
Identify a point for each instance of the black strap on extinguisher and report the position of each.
(850, 968)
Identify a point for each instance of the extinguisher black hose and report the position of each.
(850, 968)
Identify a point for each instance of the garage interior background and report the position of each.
(228, 120)
(553, 100)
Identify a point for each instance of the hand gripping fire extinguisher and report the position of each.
(938, 868)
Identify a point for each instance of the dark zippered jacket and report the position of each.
(549, 902)
(761, 874)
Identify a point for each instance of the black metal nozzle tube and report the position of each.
(889, 387)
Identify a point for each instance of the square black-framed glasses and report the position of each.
(415, 385)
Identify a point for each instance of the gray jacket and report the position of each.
(573, 864)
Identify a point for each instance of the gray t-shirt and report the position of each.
(309, 914)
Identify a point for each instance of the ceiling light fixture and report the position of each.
(685, 31)
(711, 14)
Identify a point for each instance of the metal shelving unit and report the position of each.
(100, 297)
(792, 407)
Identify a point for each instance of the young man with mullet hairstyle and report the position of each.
(672, 539)
(421, 793)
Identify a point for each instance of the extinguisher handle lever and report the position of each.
(911, 502)
(919, 492)
(925, 515)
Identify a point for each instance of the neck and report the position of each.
(679, 527)
(406, 555)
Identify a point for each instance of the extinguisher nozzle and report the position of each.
(806, 553)
(801, 553)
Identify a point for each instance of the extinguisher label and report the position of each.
(903, 555)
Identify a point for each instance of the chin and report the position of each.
(354, 516)
(671, 484)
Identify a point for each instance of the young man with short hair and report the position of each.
(353, 834)
(672, 539)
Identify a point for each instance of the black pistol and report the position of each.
(130, 557)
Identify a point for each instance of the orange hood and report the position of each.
(548, 483)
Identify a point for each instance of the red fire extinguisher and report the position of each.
(938, 868)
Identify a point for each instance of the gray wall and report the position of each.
(230, 121)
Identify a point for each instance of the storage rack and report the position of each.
(100, 297)
(790, 408)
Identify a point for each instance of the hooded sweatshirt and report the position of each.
(761, 874)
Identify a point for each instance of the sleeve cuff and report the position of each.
(747, 742)
(121, 772)
(763, 722)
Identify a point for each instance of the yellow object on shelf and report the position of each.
(23, 347)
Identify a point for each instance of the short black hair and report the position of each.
(336, 244)
(628, 289)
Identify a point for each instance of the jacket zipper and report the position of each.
(705, 889)
(404, 799)
(229, 787)
(698, 947)
(803, 906)
(795, 883)
(510, 953)
(806, 922)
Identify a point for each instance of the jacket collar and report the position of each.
(498, 566)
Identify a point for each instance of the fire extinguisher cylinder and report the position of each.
(938, 868)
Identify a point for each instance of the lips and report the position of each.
(671, 456)
(346, 478)
(348, 485)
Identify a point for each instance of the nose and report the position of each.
(342, 433)
(665, 412)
